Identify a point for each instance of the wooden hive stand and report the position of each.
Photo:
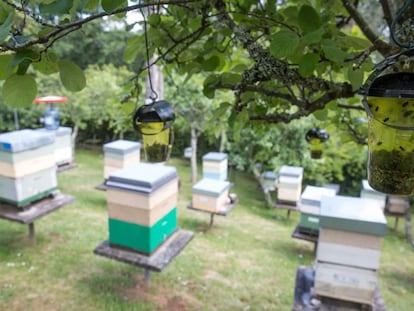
(156, 261)
(33, 211)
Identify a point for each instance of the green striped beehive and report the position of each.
(141, 202)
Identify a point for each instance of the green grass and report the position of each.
(246, 261)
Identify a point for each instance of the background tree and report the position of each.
(97, 109)
(192, 110)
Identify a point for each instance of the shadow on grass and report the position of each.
(196, 225)
(121, 286)
(14, 238)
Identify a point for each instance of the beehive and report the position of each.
(349, 248)
(289, 184)
(62, 146)
(310, 207)
(215, 165)
(210, 195)
(397, 204)
(142, 200)
(120, 154)
(27, 166)
(269, 180)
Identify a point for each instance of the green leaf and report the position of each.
(46, 65)
(111, 5)
(308, 19)
(25, 55)
(128, 107)
(19, 90)
(5, 27)
(222, 110)
(23, 59)
(283, 43)
(332, 52)
(313, 37)
(209, 85)
(354, 42)
(92, 4)
(56, 7)
(72, 77)
(5, 66)
(211, 63)
(356, 77)
(240, 123)
(239, 68)
(307, 64)
(133, 46)
(321, 114)
(230, 78)
(154, 19)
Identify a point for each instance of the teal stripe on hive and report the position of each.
(142, 238)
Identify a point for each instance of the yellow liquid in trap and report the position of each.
(156, 141)
(391, 150)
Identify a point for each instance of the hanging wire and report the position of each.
(400, 12)
(154, 94)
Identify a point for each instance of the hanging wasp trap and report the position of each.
(389, 103)
(316, 137)
(154, 121)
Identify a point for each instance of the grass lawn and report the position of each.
(246, 261)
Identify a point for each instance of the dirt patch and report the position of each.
(164, 298)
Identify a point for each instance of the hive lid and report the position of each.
(211, 187)
(142, 177)
(215, 156)
(25, 139)
(291, 170)
(352, 214)
(60, 131)
(312, 194)
(121, 146)
(269, 175)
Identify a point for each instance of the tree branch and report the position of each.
(59, 30)
(382, 47)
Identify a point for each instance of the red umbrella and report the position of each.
(51, 99)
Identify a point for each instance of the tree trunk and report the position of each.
(223, 140)
(74, 135)
(256, 174)
(194, 139)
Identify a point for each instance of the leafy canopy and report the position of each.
(283, 60)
